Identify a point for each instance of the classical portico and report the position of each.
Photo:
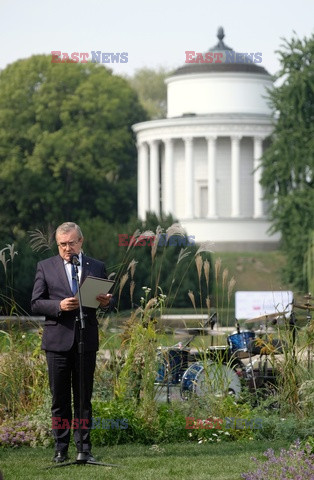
(202, 163)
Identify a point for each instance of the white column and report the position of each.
(189, 178)
(258, 192)
(154, 178)
(235, 176)
(211, 177)
(142, 181)
(169, 178)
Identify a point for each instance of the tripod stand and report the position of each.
(82, 457)
(308, 307)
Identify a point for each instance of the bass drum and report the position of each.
(209, 378)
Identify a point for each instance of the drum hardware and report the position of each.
(206, 329)
(199, 331)
(248, 338)
(253, 378)
(304, 306)
(308, 307)
(259, 374)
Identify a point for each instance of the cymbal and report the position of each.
(265, 318)
(265, 331)
(305, 306)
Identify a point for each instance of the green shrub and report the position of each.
(23, 378)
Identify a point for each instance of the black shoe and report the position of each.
(60, 457)
(90, 457)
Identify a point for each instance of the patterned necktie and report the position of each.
(74, 282)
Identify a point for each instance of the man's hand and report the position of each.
(104, 299)
(70, 303)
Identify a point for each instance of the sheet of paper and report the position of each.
(91, 288)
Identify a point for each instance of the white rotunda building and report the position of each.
(201, 163)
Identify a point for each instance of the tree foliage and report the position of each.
(67, 150)
(288, 163)
(152, 90)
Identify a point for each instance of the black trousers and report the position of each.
(63, 371)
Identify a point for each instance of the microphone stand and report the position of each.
(82, 457)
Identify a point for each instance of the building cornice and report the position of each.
(218, 75)
(205, 126)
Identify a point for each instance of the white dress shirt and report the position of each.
(68, 269)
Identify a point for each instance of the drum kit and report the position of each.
(224, 369)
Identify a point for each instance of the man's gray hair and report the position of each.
(67, 227)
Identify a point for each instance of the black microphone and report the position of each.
(238, 326)
(75, 259)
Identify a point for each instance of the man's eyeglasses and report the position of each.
(70, 244)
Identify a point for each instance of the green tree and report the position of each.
(67, 150)
(288, 163)
(152, 90)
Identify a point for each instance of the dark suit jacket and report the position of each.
(50, 287)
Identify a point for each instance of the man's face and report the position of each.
(69, 243)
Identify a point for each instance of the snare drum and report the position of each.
(209, 378)
(240, 343)
(172, 362)
(218, 353)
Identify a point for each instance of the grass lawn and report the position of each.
(182, 461)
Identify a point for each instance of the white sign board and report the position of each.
(255, 304)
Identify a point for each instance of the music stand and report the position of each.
(81, 458)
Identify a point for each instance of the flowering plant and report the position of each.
(297, 463)
(28, 432)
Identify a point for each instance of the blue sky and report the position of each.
(153, 33)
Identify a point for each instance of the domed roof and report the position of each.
(221, 58)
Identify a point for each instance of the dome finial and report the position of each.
(220, 34)
(220, 45)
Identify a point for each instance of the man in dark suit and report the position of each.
(53, 296)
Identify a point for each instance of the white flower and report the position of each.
(147, 289)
